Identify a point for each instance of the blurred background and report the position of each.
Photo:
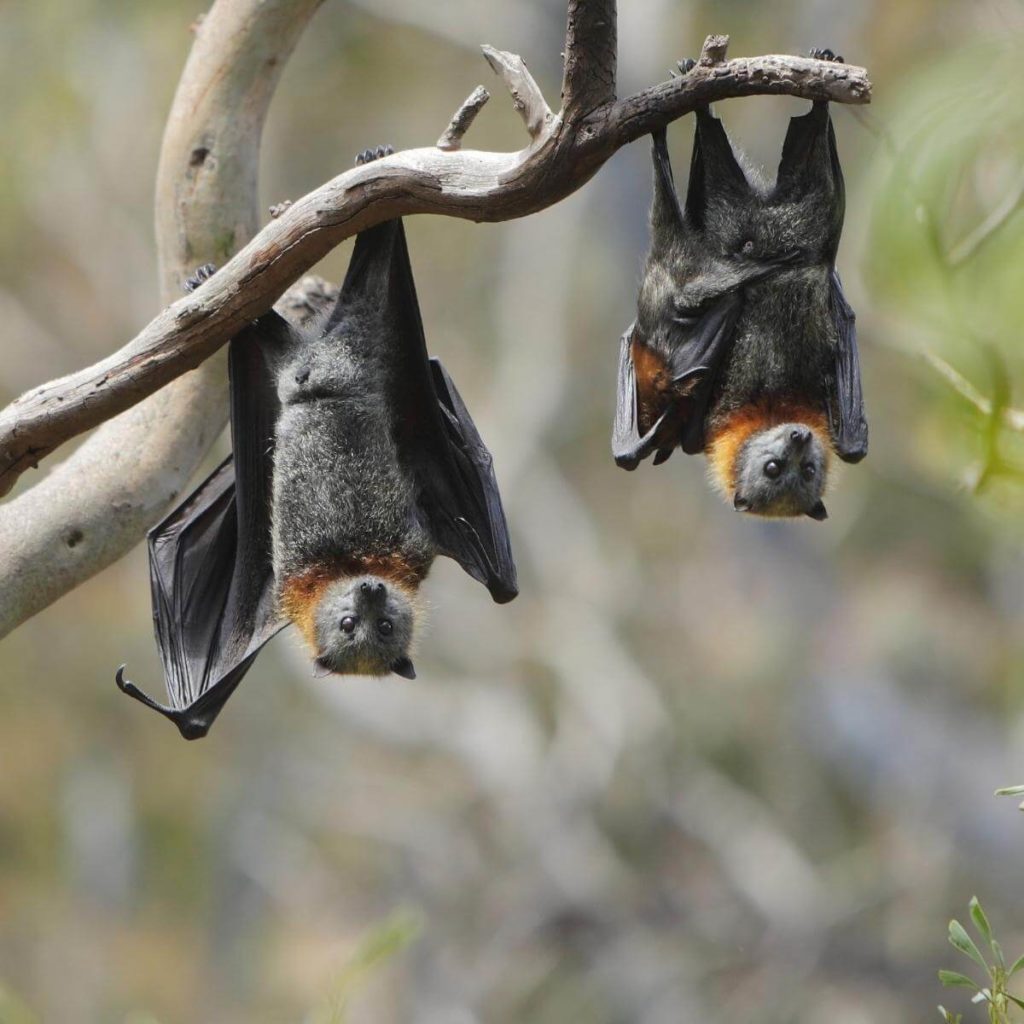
(704, 768)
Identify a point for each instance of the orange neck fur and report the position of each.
(299, 596)
(726, 440)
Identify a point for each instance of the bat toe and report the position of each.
(369, 155)
(203, 273)
(683, 67)
(824, 53)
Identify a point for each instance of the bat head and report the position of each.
(364, 626)
(781, 471)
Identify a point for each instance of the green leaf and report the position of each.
(954, 979)
(1017, 965)
(997, 952)
(1010, 791)
(1014, 1000)
(980, 920)
(959, 939)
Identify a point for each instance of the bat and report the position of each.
(744, 346)
(354, 464)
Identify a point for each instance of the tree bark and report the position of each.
(97, 504)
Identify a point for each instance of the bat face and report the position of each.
(364, 626)
(781, 471)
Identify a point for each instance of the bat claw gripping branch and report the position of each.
(203, 273)
(369, 155)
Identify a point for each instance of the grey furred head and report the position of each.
(781, 471)
(364, 626)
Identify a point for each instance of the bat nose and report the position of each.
(372, 591)
(302, 375)
(800, 436)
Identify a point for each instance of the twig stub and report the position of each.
(462, 119)
(713, 51)
(526, 94)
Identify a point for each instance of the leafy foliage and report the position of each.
(992, 992)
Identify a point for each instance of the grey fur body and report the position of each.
(339, 487)
(783, 345)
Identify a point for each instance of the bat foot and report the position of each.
(368, 155)
(825, 53)
(203, 273)
(684, 67)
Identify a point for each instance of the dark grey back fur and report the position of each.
(773, 244)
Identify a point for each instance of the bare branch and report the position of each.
(471, 185)
(712, 53)
(467, 184)
(526, 95)
(463, 118)
(138, 463)
(591, 41)
(98, 503)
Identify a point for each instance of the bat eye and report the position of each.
(748, 248)
(385, 627)
(348, 623)
(808, 471)
(773, 469)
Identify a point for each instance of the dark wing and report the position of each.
(662, 401)
(810, 174)
(715, 173)
(847, 421)
(209, 560)
(435, 435)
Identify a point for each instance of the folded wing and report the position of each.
(209, 562)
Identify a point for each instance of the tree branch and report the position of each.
(463, 118)
(591, 40)
(526, 95)
(98, 503)
(565, 151)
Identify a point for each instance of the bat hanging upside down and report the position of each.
(744, 346)
(355, 463)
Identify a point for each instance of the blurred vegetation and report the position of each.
(702, 769)
(992, 994)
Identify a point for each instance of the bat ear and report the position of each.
(403, 667)
(666, 213)
(818, 512)
(714, 170)
(740, 503)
